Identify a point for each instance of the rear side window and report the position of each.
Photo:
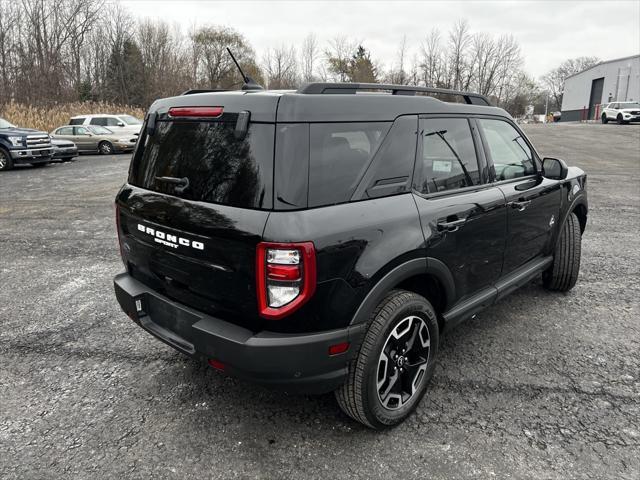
(65, 131)
(339, 154)
(204, 161)
(76, 121)
(448, 155)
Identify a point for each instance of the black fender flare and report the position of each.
(408, 269)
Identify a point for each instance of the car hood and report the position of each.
(20, 131)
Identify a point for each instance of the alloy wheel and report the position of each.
(403, 362)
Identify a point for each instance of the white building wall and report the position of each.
(621, 81)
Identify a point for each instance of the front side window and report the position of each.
(512, 157)
(339, 154)
(111, 122)
(100, 130)
(448, 156)
(81, 131)
(129, 120)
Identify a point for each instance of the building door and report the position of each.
(596, 96)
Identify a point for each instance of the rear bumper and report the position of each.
(293, 362)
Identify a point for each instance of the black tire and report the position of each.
(105, 148)
(359, 397)
(6, 163)
(605, 120)
(619, 119)
(563, 273)
(40, 164)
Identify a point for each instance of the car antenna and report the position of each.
(249, 83)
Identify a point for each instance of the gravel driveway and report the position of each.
(541, 385)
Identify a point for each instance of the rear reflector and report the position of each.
(217, 364)
(198, 112)
(338, 348)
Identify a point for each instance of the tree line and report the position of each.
(78, 50)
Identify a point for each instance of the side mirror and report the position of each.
(120, 124)
(554, 168)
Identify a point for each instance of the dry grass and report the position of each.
(48, 118)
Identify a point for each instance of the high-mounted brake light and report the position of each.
(285, 277)
(198, 112)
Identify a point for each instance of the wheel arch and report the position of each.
(425, 276)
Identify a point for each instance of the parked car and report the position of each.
(317, 241)
(121, 123)
(63, 150)
(93, 138)
(621, 112)
(23, 145)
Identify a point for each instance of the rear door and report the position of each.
(195, 208)
(463, 218)
(533, 202)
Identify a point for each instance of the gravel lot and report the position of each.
(541, 385)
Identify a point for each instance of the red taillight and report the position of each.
(199, 112)
(285, 277)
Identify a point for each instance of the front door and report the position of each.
(533, 202)
(82, 138)
(463, 218)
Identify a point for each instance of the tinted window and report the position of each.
(512, 157)
(112, 122)
(448, 155)
(338, 157)
(65, 131)
(217, 166)
(391, 169)
(98, 121)
(292, 166)
(129, 120)
(76, 121)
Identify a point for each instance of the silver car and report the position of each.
(94, 138)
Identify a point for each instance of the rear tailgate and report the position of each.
(196, 204)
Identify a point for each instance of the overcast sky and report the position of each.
(548, 31)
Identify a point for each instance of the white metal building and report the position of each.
(613, 80)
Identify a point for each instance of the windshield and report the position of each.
(5, 124)
(129, 120)
(99, 130)
(630, 105)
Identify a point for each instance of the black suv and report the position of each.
(324, 239)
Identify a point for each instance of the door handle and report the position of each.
(520, 205)
(451, 226)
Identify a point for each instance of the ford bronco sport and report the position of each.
(324, 239)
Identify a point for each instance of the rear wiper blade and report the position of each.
(181, 184)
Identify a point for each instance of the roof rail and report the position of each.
(196, 90)
(320, 88)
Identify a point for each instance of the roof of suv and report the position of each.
(353, 103)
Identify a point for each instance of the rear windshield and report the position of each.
(204, 161)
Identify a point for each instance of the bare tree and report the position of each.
(281, 68)
(459, 41)
(398, 75)
(554, 80)
(309, 54)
